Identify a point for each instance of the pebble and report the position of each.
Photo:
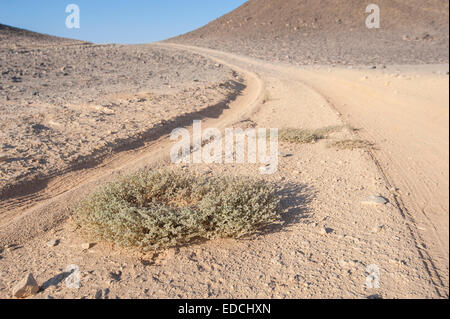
(325, 231)
(377, 229)
(283, 154)
(348, 264)
(26, 287)
(3, 157)
(375, 200)
(12, 247)
(87, 245)
(53, 243)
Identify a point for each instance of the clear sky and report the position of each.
(115, 21)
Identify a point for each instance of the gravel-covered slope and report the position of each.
(331, 31)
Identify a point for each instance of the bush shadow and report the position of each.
(294, 206)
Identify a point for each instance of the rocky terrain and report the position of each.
(365, 204)
(330, 32)
(11, 37)
(67, 106)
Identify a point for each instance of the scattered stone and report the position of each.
(53, 243)
(16, 79)
(266, 169)
(12, 247)
(325, 231)
(299, 252)
(375, 200)
(87, 245)
(116, 276)
(26, 287)
(375, 297)
(348, 264)
(342, 263)
(377, 229)
(3, 157)
(98, 294)
(283, 154)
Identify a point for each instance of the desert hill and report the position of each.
(16, 37)
(329, 31)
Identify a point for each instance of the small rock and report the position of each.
(283, 154)
(394, 189)
(3, 157)
(325, 231)
(375, 297)
(353, 263)
(53, 243)
(26, 287)
(375, 200)
(98, 294)
(265, 170)
(12, 247)
(377, 229)
(116, 276)
(87, 245)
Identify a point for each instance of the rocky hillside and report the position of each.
(11, 37)
(331, 31)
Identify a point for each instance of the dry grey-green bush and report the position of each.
(351, 144)
(326, 131)
(160, 209)
(299, 136)
(303, 136)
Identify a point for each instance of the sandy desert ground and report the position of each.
(119, 118)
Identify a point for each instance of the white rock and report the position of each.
(26, 287)
(53, 243)
(87, 245)
(374, 200)
(325, 231)
(3, 157)
(377, 229)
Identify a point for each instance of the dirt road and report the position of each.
(329, 240)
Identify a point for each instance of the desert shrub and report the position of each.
(160, 209)
(351, 144)
(302, 136)
(326, 131)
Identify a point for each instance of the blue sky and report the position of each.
(115, 21)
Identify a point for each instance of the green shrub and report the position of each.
(161, 209)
